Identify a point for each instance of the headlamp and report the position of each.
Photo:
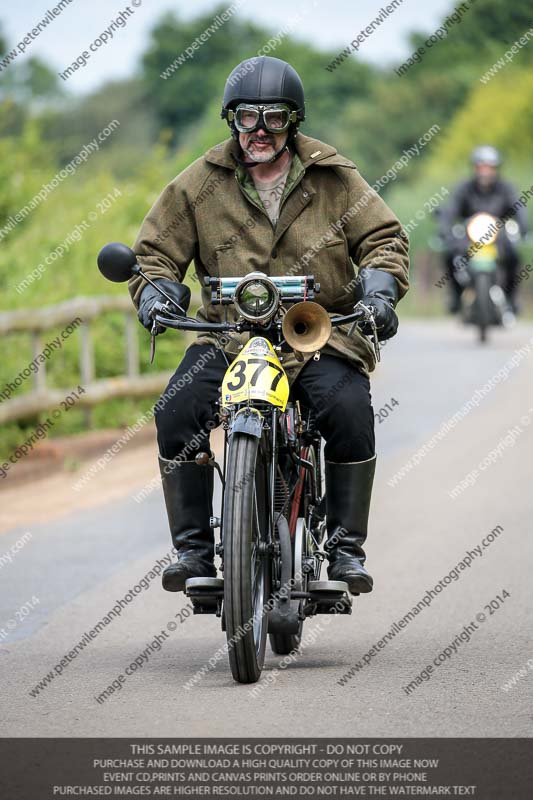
(480, 228)
(256, 297)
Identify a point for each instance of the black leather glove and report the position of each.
(177, 291)
(380, 290)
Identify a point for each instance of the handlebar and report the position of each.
(180, 322)
(361, 313)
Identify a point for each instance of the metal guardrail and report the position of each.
(86, 309)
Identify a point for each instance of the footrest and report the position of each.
(330, 597)
(206, 594)
(208, 585)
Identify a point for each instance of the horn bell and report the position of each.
(306, 327)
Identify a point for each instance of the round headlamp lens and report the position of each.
(256, 299)
(480, 229)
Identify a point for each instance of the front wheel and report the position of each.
(246, 558)
(483, 304)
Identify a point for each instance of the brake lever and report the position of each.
(369, 311)
(153, 334)
(157, 308)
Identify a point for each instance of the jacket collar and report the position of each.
(311, 151)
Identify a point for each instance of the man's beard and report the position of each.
(262, 156)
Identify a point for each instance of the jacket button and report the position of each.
(305, 194)
(274, 253)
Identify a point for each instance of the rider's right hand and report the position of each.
(177, 291)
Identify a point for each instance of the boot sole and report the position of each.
(175, 582)
(359, 585)
(171, 583)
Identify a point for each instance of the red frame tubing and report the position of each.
(295, 508)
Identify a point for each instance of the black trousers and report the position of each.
(332, 387)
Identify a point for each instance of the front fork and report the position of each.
(228, 423)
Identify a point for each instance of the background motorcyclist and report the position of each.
(485, 192)
(271, 199)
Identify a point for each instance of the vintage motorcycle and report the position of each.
(272, 519)
(485, 304)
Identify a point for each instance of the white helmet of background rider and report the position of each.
(486, 154)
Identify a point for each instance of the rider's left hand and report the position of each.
(385, 317)
(380, 290)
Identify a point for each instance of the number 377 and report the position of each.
(239, 373)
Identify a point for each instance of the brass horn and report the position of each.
(306, 327)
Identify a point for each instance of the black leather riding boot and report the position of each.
(188, 489)
(348, 493)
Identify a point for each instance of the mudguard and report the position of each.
(249, 421)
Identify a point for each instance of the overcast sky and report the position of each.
(325, 23)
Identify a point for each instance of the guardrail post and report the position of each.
(86, 364)
(39, 377)
(132, 345)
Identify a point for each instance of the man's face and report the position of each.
(262, 146)
(486, 174)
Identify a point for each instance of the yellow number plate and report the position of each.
(487, 251)
(256, 374)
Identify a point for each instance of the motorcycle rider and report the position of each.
(485, 192)
(271, 199)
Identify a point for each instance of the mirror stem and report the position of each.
(136, 270)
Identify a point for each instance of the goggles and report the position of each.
(273, 118)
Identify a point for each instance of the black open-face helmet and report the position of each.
(264, 81)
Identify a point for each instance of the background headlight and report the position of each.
(480, 229)
(256, 298)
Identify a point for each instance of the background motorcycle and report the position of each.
(484, 301)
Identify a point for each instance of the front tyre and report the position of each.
(483, 304)
(246, 560)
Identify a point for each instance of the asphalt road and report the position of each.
(75, 567)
